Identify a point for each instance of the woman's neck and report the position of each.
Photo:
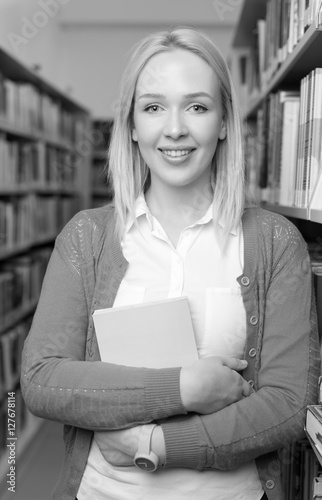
(176, 209)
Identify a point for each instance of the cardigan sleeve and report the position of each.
(288, 364)
(57, 383)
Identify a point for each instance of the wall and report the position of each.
(150, 12)
(31, 35)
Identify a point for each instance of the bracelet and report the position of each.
(144, 458)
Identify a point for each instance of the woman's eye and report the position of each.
(198, 108)
(153, 108)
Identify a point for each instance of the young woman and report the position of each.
(178, 226)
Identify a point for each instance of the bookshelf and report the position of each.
(280, 42)
(284, 73)
(305, 57)
(100, 135)
(45, 158)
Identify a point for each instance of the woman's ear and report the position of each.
(223, 131)
(134, 135)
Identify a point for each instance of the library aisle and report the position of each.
(39, 467)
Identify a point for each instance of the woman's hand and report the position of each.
(212, 383)
(119, 447)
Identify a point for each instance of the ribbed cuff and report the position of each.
(162, 393)
(182, 441)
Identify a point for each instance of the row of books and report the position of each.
(25, 220)
(101, 134)
(35, 165)
(300, 464)
(20, 282)
(11, 345)
(299, 468)
(275, 37)
(25, 107)
(284, 153)
(309, 139)
(99, 177)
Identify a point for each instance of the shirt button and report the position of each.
(252, 352)
(251, 383)
(270, 484)
(245, 281)
(253, 320)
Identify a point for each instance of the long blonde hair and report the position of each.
(128, 172)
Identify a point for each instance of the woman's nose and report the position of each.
(175, 126)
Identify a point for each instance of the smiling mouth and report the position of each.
(174, 153)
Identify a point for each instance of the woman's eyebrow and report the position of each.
(186, 96)
(199, 94)
(151, 96)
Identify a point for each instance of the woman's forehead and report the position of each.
(177, 68)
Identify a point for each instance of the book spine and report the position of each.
(308, 131)
(302, 130)
(316, 143)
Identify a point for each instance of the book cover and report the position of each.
(314, 154)
(301, 139)
(289, 149)
(152, 335)
(313, 428)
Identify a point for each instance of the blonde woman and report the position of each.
(178, 226)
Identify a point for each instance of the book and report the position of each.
(310, 127)
(289, 139)
(289, 149)
(316, 198)
(317, 488)
(317, 280)
(313, 428)
(153, 335)
(275, 155)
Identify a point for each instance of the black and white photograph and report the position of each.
(160, 249)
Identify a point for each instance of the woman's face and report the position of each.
(178, 119)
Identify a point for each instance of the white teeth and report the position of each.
(174, 153)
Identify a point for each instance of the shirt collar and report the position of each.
(141, 208)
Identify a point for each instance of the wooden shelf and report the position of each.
(296, 212)
(49, 190)
(16, 316)
(7, 253)
(35, 135)
(305, 57)
(17, 71)
(27, 135)
(316, 215)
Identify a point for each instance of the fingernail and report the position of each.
(244, 362)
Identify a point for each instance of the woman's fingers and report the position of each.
(212, 383)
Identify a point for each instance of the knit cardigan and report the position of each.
(64, 380)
